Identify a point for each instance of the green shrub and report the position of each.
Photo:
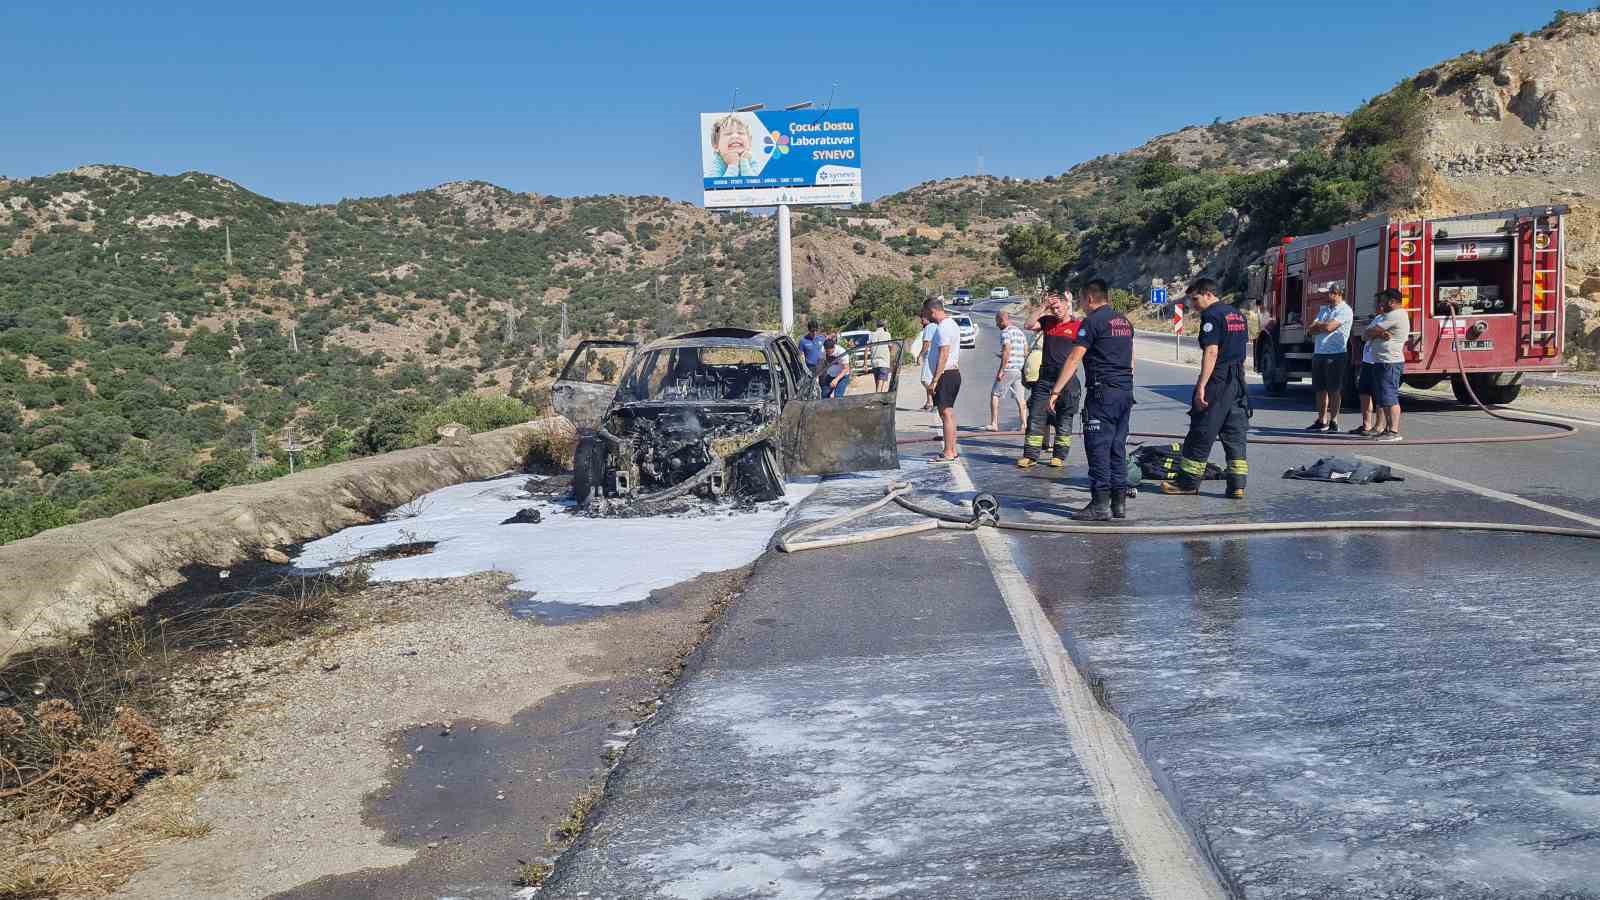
(53, 459)
(20, 518)
(134, 493)
(479, 412)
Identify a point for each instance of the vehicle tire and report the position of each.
(588, 469)
(1273, 378)
(1458, 386)
(758, 475)
(1490, 392)
(1350, 393)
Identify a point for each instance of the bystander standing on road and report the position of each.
(811, 349)
(1047, 407)
(882, 357)
(1330, 358)
(1386, 338)
(1008, 374)
(1104, 348)
(1221, 405)
(924, 361)
(944, 350)
(836, 374)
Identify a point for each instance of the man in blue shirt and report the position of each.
(811, 348)
(1104, 347)
(1329, 360)
(1221, 406)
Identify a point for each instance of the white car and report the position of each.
(1000, 293)
(969, 331)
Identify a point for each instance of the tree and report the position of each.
(879, 298)
(53, 459)
(1158, 170)
(1037, 250)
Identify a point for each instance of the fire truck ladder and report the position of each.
(1540, 265)
(1407, 272)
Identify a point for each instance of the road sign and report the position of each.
(1158, 296)
(1177, 319)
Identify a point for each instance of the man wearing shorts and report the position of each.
(882, 354)
(1008, 375)
(1329, 360)
(1386, 338)
(944, 354)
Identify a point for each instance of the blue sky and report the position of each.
(313, 102)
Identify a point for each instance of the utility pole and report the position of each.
(227, 236)
(981, 193)
(511, 325)
(561, 340)
(785, 271)
(294, 342)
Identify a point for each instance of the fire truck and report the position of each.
(1483, 292)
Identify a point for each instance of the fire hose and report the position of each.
(985, 508)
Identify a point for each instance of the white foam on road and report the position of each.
(563, 559)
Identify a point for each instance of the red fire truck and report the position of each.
(1482, 288)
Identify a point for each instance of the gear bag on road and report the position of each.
(1343, 469)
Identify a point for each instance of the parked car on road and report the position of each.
(856, 342)
(969, 330)
(1000, 293)
(712, 413)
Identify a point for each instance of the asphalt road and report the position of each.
(949, 715)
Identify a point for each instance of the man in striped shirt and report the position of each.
(1008, 377)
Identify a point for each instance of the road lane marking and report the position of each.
(1169, 864)
(1491, 493)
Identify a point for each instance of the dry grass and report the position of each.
(79, 732)
(550, 451)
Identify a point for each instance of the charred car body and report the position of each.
(724, 412)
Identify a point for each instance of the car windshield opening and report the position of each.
(703, 374)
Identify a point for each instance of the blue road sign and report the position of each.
(1158, 296)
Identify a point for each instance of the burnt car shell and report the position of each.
(710, 414)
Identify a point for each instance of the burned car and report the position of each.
(720, 413)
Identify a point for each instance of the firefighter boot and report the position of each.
(1188, 480)
(1098, 509)
(1119, 503)
(1238, 471)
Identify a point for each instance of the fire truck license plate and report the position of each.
(1474, 345)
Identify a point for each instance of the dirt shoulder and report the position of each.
(426, 739)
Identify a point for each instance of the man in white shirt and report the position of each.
(1330, 331)
(944, 354)
(882, 356)
(1008, 375)
(924, 341)
(1386, 338)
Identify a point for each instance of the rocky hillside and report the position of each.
(1518, 124)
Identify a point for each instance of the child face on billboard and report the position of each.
(731, 140)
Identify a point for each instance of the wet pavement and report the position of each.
(1372, 715)
(855, 730)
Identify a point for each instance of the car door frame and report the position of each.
(583, 402)
(856, 433)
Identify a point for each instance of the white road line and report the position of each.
(1491, 493)
(1169, 865)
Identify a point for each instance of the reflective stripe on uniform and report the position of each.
(1035, 440)
(1190, 467)
(1063, 440)
(1238, 467)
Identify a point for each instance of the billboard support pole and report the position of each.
(785, 271)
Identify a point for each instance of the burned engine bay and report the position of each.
(694, 424)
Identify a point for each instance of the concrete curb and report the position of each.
(62, 581)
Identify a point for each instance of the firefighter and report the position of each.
(1105, 349)
(1059, 332)
(1221, 406)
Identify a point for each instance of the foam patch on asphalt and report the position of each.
(565, 558)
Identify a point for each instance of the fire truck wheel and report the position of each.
(1273, 378)
(1487, 390)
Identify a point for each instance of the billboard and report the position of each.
(767, 158)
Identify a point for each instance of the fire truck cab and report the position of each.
(1483, 292)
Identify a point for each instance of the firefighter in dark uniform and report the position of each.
(1105, 350)
(1221, 406)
